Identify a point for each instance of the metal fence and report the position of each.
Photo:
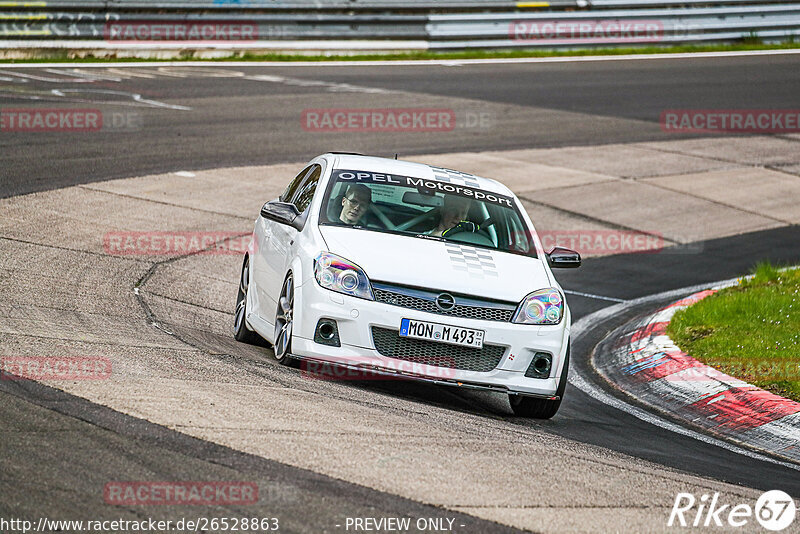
(284, 24)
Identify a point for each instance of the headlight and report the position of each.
(545, 306)
(337, 274)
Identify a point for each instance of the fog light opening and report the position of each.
(540, 366)
(327, 333)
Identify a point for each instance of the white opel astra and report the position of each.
(408, 271)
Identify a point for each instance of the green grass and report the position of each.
(750, 331)
(44, 55)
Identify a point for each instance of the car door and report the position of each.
(278, 256)
(263, 267)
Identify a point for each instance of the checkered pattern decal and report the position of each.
(477, 262)
(454, 177)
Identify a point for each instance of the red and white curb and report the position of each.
(646, 364)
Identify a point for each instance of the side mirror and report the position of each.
(283, 213)
(563, 258)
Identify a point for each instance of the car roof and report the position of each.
(354, 162)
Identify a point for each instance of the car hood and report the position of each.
(433, 264)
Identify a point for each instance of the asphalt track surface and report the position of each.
(236, 121)
(239, 122)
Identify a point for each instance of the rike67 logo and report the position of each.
(774, 510)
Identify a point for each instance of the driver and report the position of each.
(355, 203)
(453, 211)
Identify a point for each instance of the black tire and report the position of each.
(541, 408)
(284, 322)
(240, 331)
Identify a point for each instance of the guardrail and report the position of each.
(291, 5)
(281, 28)
(638, 4)
(643, 26)
(358, 5)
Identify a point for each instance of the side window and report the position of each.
(293, 185)
(302, 197)
(519, 238)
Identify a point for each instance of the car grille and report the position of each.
(422, 300)
(390, 344)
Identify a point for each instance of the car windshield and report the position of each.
(426, 209)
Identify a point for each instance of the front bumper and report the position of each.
(356, 318)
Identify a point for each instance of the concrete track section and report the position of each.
(60, 451)
(86, 277)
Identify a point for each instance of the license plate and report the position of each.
(455, 335)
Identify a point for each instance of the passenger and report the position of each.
(453, 211)
(355, 203)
